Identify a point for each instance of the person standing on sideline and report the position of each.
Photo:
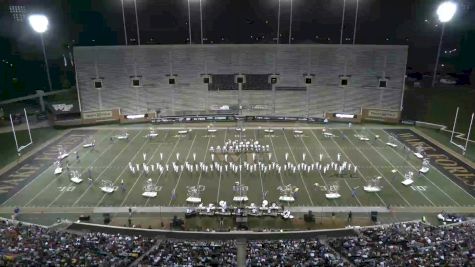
(122, 186)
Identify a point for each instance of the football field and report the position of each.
(110, 159)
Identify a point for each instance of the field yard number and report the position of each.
(420, 188)
(328, 188)
(66, 188)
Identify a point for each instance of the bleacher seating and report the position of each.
(364, 64)
(402, 244)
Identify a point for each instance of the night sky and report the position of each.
(99, 22)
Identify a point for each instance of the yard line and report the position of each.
(85, 169)
(394, 167)
(300, 173)
(260, 175)
(395, 189)
(140, 175)
(110, 164)
(402, 144)
(37, 177)
(179, 176)
(276, 160)
(168, 160)
(219, 181)
(408, 162)
(349, 159)
(204, 160)
(123, 170)
(313, 159)
(54, 179)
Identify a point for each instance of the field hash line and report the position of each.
(54, 179)
(181, 173)
(349, 159)
(122, 172)
(110, 164)
(423, 175)
(382, 175)
(166, 162)
(219, 181)
(300, 173)
(141, 174)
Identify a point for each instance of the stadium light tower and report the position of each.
(356, 22)
(189, 23)
(123, 22)
(290, 26)
(201, 23)
(278, 23)
(137, 22)
(39, 23)
(342, 21)
(445, 12)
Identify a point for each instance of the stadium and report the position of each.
(233, 153)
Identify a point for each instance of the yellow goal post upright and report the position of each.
(467, 137)
(21, 147)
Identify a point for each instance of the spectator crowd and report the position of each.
(31, 245)
(410, 244)
(404, 244)
(191, 253)
(291, 253)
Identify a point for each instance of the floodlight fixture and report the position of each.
(446, 11)
(39, 23)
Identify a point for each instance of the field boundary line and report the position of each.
(441, 173)
(407, 162)
(328, 154)
(124, 168)
(300, 173)
(219, 181)
(359, 167)
(276, 160)
(87, 167)
(29, 154)
(395, 189)
(313, 159)
(100, 174)
(260, 174)
(444, 147)
(141, 174)
(168, 159)
(204, 159)
(181, 173)
(49, 183)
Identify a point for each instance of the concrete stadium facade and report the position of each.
(363, 66)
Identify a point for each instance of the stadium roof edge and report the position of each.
(248, 45)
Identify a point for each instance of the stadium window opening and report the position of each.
(136, 82)
(344, 81)
(98, 84)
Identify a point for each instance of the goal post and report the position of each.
(460, 135)
(19, 148)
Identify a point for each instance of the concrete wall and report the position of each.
(364, 64)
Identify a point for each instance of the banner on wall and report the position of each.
(382, 115)
(97, 115)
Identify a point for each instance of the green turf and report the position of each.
(8, 148)
(373, 158)
(444, 138)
